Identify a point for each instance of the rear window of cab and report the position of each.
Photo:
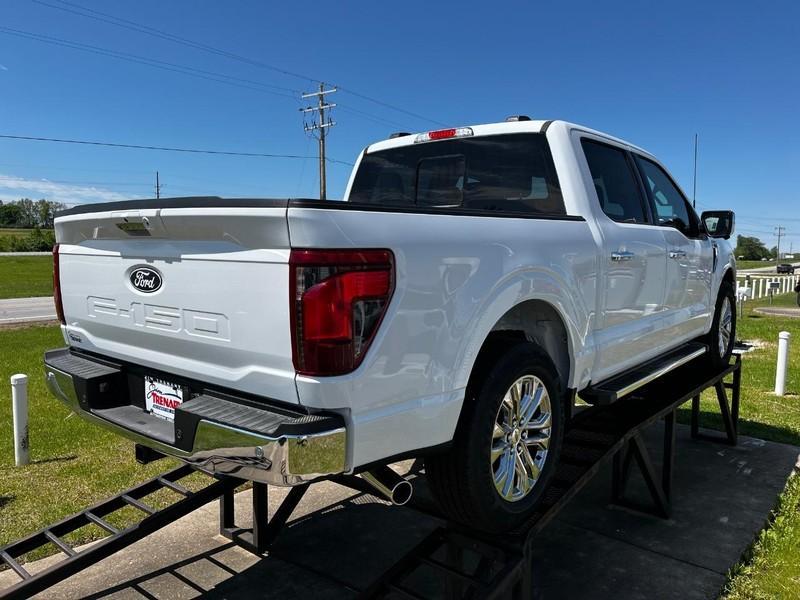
(508, 173)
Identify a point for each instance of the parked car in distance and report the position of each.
(787, 268)
(471, 283)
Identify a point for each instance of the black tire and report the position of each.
(715, 358)
(462, 480)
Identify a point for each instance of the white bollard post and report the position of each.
(19, 407)
(783, 363)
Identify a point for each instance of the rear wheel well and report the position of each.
(728, 276)
(532, 321)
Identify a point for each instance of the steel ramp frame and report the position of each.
(595, 436)
(469, 563)
(77, 560)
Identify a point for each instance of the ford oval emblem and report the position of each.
(145, 279)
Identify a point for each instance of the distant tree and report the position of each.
(750, 248)
(773, 252)
(25, 213)
(10, 215)
(29, 215)
(46, 211)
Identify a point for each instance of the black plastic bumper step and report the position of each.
(78, 366)
(263, 420)
(627, 382)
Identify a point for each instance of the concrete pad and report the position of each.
(339, 541)
(721, 497)
(572, 562)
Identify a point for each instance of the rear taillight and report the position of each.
(337, 298)
(57, 286)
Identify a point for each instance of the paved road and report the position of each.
(766, 270)
(27, 310)
(338, 542)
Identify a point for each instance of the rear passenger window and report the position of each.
(615, 183)
(509, 173)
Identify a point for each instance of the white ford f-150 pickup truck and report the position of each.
(471, 285)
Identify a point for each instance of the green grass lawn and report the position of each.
(780, 300)
(763, 414)
(26, 276)
(73, 463)
(12, 232)
(771, 567)
(757, 264)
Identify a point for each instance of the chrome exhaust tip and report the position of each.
(389, 484)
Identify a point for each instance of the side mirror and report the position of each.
(718, 223)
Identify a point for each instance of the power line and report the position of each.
(181, 69)
(369, 116)
(155, 63)
(22, 182)
(143, 183)
(145, 29)
(387, 105)
(152, 31)
(164, 148)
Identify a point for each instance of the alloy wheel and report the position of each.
(725, 326)
(521, 438)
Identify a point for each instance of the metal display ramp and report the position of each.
(464, 563)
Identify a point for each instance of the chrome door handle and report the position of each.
(620, 256)
(677, 254)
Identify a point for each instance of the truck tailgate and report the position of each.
(199, 292)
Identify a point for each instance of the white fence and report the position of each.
(760, 284)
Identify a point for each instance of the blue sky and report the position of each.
(655, 73)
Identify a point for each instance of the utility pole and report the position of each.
(694, 180)
(319, 124)
(780, 231)
(158, 187)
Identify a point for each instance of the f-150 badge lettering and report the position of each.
(145, 279)
(163, 318)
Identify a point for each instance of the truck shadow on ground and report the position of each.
(333, 553)
(722, 497)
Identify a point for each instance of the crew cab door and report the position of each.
(632, 267)
(690, 254)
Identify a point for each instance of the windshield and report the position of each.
(512, 172)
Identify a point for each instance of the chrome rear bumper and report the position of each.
(286, 459)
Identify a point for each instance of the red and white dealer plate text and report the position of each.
(161, 398)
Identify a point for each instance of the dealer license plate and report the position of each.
(161, 398)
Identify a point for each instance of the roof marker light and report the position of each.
(443, 134)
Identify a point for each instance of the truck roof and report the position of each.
(502, 127)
